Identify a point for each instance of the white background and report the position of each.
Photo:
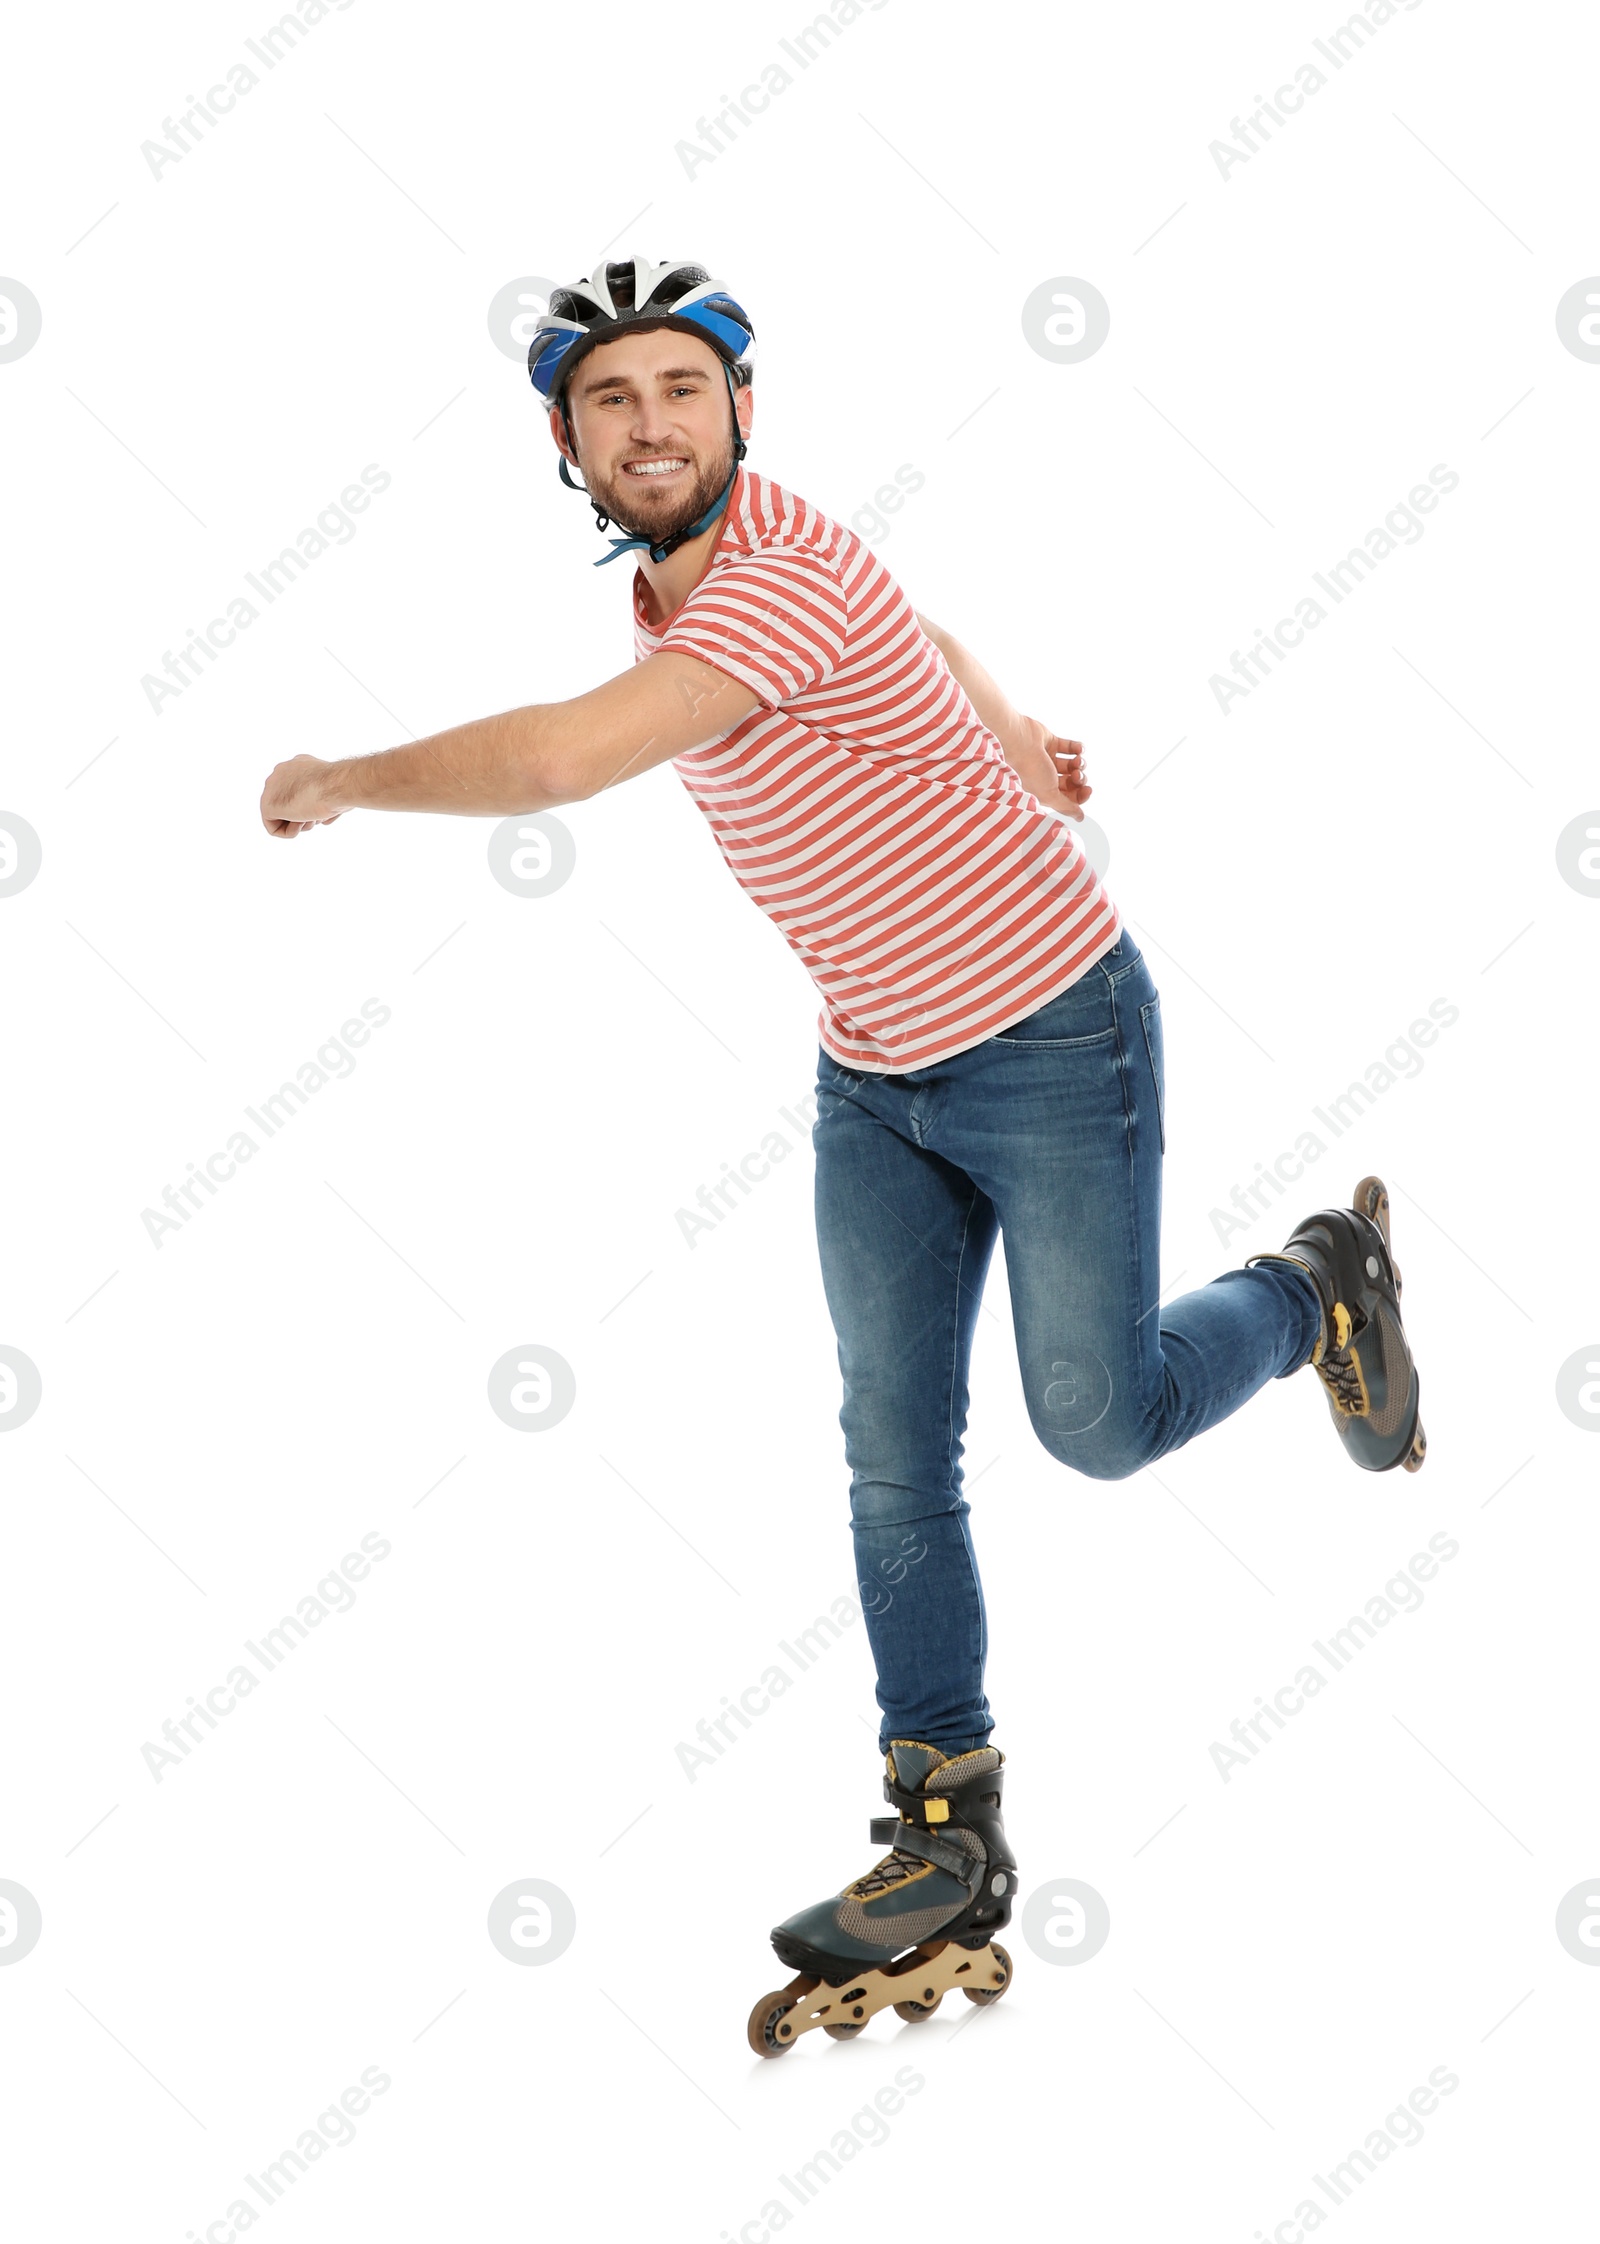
(1291, 349)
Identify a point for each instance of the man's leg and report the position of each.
(1059, 1122)
(905, 1240)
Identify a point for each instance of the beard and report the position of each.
(642, 513)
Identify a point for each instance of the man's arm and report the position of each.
(525, 760)
(1052, 768)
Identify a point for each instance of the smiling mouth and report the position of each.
(653, 471)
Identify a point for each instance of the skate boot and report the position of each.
(918, 1923)
(1362, 1356)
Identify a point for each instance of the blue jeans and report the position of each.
(1051, 1132)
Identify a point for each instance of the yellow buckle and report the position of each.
(937, 1811)
(1341, 1325)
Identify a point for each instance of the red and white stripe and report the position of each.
(864, 806)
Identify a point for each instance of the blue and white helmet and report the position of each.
(634, 293)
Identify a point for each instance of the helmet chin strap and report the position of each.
(659, 551)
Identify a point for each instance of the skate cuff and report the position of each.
(888, 1830)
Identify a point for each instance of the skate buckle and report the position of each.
(937, 1811)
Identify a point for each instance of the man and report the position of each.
(991, 1061)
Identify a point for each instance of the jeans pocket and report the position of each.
(1150, 1022)
(1082, 1014)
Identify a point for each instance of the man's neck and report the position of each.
(669, 583)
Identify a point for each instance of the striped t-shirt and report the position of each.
(864, 806)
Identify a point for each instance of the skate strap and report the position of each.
(920, 1808)
(891, 1831)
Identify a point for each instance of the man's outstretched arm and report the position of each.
(1053, 769)
(525, 760)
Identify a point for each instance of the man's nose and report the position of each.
(652, 423)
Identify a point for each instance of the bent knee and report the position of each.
(1103, 1452)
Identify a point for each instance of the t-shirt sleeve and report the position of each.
(775, 620)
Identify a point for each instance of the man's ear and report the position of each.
(745, 407)
(558, 431)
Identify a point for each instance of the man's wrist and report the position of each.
(338, 786)
(1027, 735)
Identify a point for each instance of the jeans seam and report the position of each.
(1133, 1179)
(950, 1443)
(1155, 1079)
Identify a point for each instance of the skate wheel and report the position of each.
(912, 2011)
(846, 2032)
(766, 2033)
(1418, 1450)
(997, 1972)
(1371, 1199)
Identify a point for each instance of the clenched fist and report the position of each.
(297, 796)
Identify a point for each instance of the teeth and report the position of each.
(654, 467)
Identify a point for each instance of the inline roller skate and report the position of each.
(919, 1923)
(1362, 1356)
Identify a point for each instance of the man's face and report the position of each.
(652, 428)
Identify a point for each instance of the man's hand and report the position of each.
(298, 796)
(1055, 769)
